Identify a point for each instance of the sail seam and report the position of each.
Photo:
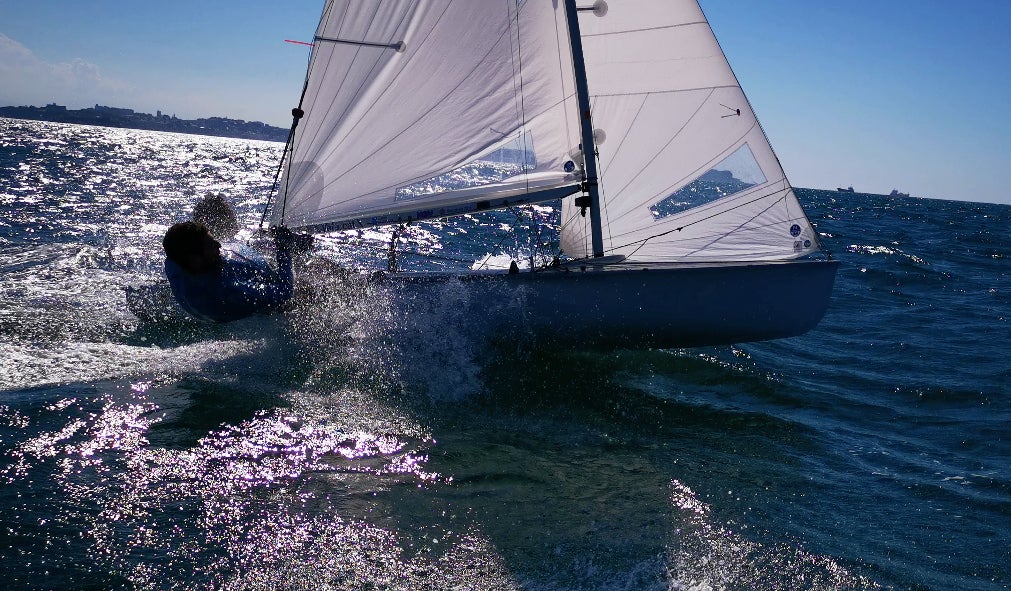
(287, 154)
(324, 22)
(644, 29)
(649, 163)
(425, 176)
(405, 129)
(710, 236)
(716, 205)
(330, 56)
(369, 110)
(326, 68)
(361, 86)
(313, 56)
(740, 226)
(721, 205)
(671, 91)
(717, 237)
(739, 229)
(628, 130)
(693, 174)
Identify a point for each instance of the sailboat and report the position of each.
(678, 225)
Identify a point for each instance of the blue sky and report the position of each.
(875, 94)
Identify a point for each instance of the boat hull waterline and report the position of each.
(586, 306)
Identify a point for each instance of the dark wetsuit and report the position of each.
(243, 287)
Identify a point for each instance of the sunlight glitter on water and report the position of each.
(708, 556)
(249, 504)
(348, 444)
(260, 494)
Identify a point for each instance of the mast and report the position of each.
(586, 128)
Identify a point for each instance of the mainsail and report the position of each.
(686, 172)
(417, 109)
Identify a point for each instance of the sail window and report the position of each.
(506, 161)
(735, 173)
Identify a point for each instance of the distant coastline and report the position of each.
(128, 118)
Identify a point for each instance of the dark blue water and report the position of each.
(343, 446)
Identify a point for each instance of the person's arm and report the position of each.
(246, 287)
(271, 292)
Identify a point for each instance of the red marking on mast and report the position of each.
(298, 42)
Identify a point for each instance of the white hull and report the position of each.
(635, 306)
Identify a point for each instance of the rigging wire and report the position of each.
(289, 145)
(495, 250)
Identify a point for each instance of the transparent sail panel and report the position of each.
(735, 173)
(514, 158)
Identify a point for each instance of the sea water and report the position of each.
(345, 446)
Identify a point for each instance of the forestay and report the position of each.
(416, 109)
(686, 172)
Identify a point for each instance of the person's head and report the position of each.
(190, 245)
(214, 212)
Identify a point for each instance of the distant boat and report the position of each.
(689, 234)
(896, 193)
(849, 190)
